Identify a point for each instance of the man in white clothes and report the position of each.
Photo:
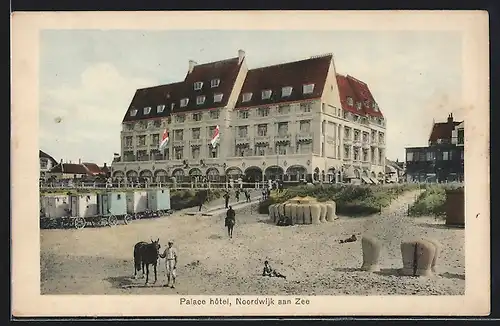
(170, 255)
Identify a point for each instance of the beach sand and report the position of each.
(100, 260)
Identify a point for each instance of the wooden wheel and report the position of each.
(79, 223)
(127, 219)
(112, 220)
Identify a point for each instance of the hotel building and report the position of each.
(292, 121)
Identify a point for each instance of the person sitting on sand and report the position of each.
(268, 271)
(351, 239)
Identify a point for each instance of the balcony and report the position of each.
(381, 144)
(304, 136)
(262, 139)
(366, 164)
(357, 142)
(196, 142)
(374, 142)
(242, 140)
(347, 140)
(142, 145)
(365, 144)
(282, 137)
(347, 159)
(178, 143)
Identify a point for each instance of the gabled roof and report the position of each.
(42, 154)
(226, 71)
(360, 93)
(92, 168)
(294, 74)
(443, 130)
(70, 168)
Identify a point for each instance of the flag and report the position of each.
(164, 140)
(215, 137)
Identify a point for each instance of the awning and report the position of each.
(366, 180)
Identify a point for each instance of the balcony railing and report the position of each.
(242, 140)
(282, 137)
(304, 135)
(261, 139)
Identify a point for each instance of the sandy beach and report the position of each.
(100, 260)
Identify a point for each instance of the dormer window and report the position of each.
(184, 102)
(358, 105)
(146, 110)
(375, 107)
(198, 86)
(266, 94)
(133, 112)
(349, 101)
(247, 97)
(218, 97)
(308, 88)
(367, 104)
(200, 99)
(160, 108)
(214, 83)
(286, 91)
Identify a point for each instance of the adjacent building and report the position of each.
(47, 162)
(80, 170)
(293, 121)
(443, 159)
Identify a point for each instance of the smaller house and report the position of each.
(47, 162)
(85, 170)
(394, 171)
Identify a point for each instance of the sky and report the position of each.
(88, 77)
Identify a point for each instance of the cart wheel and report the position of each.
(112, 220)
(127, 219)
(79, 223)
(138, 216)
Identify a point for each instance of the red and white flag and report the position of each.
(164, 140)
(215, 138)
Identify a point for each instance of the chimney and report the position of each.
(104, 164)
(79, 161)
(241, 56)
(450, 118)
(191, 66)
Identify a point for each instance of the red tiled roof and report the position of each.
(226, 71)
(443, 130)
(360, 93)
(294, 74)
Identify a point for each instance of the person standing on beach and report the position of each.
(170, 255)
(202, 196)
(226, 199)
(230, 221)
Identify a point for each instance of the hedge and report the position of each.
(350, 199)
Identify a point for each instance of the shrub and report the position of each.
(432, 201)
(264, 205)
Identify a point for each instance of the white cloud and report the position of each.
(90, 113)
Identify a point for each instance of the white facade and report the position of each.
(310, 137)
